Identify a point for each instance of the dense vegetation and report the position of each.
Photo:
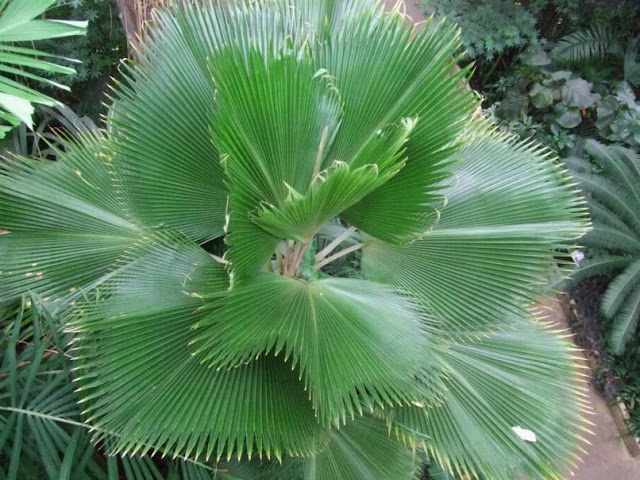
(290, 253)
(567, 73)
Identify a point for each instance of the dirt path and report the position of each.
(411, 9)
(607, 457)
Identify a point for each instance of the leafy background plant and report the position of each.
(100, 52)
(20, 23)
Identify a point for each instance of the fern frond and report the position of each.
(587, 45)
(626, 322)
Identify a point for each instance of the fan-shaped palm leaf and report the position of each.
(264, 122)
(343, 333)
(361, 449)
(488, 256)
(43, 433)
(495, 385)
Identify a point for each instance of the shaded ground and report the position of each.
(607, 457)
(589, 329)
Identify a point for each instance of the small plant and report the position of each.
(296, 251)
(627, 371)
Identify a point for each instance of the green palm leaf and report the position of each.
(402, 77)
(73, 229)
(342, 333)
(292, 101)
(488, 256)
(626, 321)
(19, 23)
(600, 266)
(43, 432)
(360, 449)
(586, 45)
(146, 320)
(620, 288)
(614, 241)
(521, 378)
(272, 123)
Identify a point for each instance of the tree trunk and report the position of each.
(135, 16)
(128, 18)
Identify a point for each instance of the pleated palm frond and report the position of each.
(43, 432)
(20, 22)
(191, 251)
(592, 43)
(614, 242)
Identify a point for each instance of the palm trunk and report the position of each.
(135, 16)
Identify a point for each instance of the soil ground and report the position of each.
(607, 457)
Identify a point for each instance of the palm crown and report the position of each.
(294, 130)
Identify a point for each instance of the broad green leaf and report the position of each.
(19, 107)
(141, 381)
(541, 96)
(41, 30)
(274, 116)
(160, 131)
(68, 226)
(567, 117)
(362, 449)
(577, 93)
(18, 23)
(344, 335)
(383, 75)
(489, 255)
(183, 406)
(51, 440)
(333, 190)
(17, 13)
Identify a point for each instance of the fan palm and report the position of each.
(187, 248)
(614, 242)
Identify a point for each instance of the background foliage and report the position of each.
(100, 52)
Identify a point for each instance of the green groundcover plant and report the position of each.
(295, 248)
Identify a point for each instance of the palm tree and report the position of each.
(294, 241)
